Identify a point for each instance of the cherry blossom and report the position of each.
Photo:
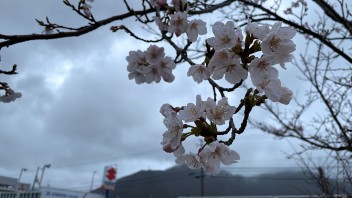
(199, 72)
(281, 58)
(172, 137)
(268, 82)
(258, 31)
(151, 74)
(278, 43)
(10, 96)
(150, 66)
(138, 76)
(196, 27)
(219, 113)
(179, 154)
(86, 9)
(136, 63)
(221, 57)
(286, 95)
(233, 71)
(166, 65)
(261, 64)
(48, 30)
(271, 88)
(136, 58)
(227, 63)
(265, 78)
(179, 151)
(178, 23)
(193, 161)
(216, 153)
(154, 54)
(159, 3)
(192, 112)
(167, 111)
(226, 36)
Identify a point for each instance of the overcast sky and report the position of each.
(80, 112)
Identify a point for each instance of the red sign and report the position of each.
(111, 173)
(109, 177)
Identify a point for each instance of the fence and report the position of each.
(20, 195)
(277, 196)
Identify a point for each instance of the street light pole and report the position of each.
(19, 178)
(18, 183)
(201, 175)
(35, 178)
(201, 182)
(43, 169)
(91, 184)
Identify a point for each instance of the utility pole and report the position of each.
(43, 169)
(18, 186)
(201, 182)
(35, 178)
(201, 174)
(19, 179)
(91, 184)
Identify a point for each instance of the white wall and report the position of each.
(48, 192)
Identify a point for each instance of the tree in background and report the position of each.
(323, 119)
(325, 64)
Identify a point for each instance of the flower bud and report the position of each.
(167, 148)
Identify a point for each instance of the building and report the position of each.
(8, 184)
(48, 192)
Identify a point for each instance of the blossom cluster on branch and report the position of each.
(210, 156)
(150, 66)
(231, 55)
(10, 95)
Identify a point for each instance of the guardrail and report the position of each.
(20, 194)
(270, 196)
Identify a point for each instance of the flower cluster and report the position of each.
(228, 61)
(150, 66)
(214, 152)
(224, 61)
(178, 23)
(277, 47)
(10, 96)
(178, 4)
(230, 55)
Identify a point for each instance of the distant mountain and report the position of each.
(181, 181)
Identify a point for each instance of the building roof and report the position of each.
(9, 184)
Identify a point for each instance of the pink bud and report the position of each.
(167, 148)
(160, 3)
(178, 32)
(87, 12)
